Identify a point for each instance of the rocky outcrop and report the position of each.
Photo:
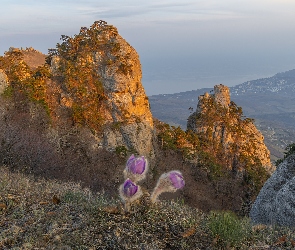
(220, 122)
(127, 102)
(3, 81)
(92, 79)
(275, 203)
(123, 108)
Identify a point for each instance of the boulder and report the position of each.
(275, 204)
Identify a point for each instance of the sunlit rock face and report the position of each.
(127, 102)
(275, 203)
(124, 111)
(221, 123)
(90, 80)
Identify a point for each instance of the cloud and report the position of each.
(58, 15)
(31, 17)
(143, 12)
(65, 16)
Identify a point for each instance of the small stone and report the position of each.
(3, 206)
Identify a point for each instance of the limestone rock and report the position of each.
(124, 108)
(33, 58)
(221, 95)
(3, 81)
(132, 136)
(95, 81)
(122, 84)
(220, 121)
(54, 67)
(275, 203)
(127, 101)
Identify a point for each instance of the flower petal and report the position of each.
(131, 158)
(176, 179)
(136, 165)
(129, 188)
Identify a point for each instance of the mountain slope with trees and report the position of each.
(81, 114)
(269, 101)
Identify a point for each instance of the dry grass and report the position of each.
(39, 214)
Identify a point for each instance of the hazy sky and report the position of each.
(183, 44)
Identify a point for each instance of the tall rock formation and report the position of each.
(126, 99)
(230, 137)
(92, 79)
(75, 113)
(101, 85)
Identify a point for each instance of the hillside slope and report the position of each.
(79, 116)
(55, 215)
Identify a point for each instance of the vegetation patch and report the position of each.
(228, 229)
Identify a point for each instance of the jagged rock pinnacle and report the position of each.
(221, 123)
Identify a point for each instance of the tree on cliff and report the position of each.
(289, 150)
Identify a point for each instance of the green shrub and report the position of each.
(116, 126)
(121, 150)
(8, 92)
(228, 229)
(208, 161)
(77, 114)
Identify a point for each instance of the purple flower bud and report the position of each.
(176, 179)
(136, 165)
(129, 188)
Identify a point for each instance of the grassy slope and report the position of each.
(52, 215)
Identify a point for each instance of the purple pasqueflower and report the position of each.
(136, 165)
(168, 182)
(129, 188)
(176, 179)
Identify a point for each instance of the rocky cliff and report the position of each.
(92, 79)
(228, 134)
(111, 92)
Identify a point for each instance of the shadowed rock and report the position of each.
(275, 203)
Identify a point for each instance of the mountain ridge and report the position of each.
(283, 83)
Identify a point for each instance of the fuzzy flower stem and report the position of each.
(129, 192)
(168, 182)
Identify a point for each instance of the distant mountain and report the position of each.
(270, 101)
(283, 83)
